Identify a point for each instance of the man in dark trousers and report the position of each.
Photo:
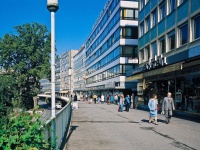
(168, 107)
(75, 98)
(127, 99)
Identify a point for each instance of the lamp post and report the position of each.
(52, 6)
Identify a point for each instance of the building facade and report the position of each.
(66, 72)
(111, 48)
(169, 52)
(45, 86)
(57, 75)
(80, 73)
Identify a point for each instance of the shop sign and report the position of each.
(140, 92)
(161, 61)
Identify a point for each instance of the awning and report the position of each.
(134, 77)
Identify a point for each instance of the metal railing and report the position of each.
(57, 128)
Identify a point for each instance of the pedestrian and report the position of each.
(153, 102)
(99, 99)
(168, 107)
(121, 103)
(95, 98)
(108, 99)
(112, 99)
(86, 98)
(75, 97)
(102, 99)
(116, 99)
(127, 103)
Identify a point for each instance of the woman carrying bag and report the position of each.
(153, 102)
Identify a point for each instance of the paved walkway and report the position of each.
(102, 127)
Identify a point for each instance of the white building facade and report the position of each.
(66, 72)
(111, 48)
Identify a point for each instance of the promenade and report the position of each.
(102, 127)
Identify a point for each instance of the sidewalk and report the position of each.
(102, 127)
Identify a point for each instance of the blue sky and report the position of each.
(74, 19)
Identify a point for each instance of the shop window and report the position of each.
(183, 34)
(162, 9)
(197, 27)
(148, 24)
(172, 5)
(162, 45)
(154, 18)
(171, 40)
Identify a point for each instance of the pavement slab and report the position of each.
(102, 127)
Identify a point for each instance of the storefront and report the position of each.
(181, 79)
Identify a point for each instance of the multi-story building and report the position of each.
(57, 75)
(79, 72)
(45, 86)
(169, 50)
(66, 72)
(111, 48)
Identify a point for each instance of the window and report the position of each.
(154, 18)
(129, 51)
(197, 27)
(183, 34)
(162, 11)
(142, 54)
(147, 24)
(171, 40)
(130, 14)
(181, 1)
(172, 5)
(141, 29)
(130, 32)
(142, 3)
(162, 45)
(147, 53)
(154, 49)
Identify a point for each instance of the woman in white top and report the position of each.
(102, 98)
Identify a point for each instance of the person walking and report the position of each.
(116, 99)
(102, 99)
(121, 103)
(127, 103)
(152, 104)
(168, 107)
(95, 98)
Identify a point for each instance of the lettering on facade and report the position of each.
(161, 61)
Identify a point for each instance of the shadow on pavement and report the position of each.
(65, 140)
(147, 121)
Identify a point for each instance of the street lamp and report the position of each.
(52, 6)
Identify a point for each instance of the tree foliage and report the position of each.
(26, 57)
(23, 132)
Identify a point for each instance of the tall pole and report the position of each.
(52, 6)
(53, 108)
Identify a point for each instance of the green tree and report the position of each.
(26, 57)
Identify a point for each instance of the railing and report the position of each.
(57, 128)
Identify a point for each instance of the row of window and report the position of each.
(127, 32)
(123, 51)
(173, 39)
(171, 5)
(153, 19)
(103, 21)
(119, 70)
(127, 14)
